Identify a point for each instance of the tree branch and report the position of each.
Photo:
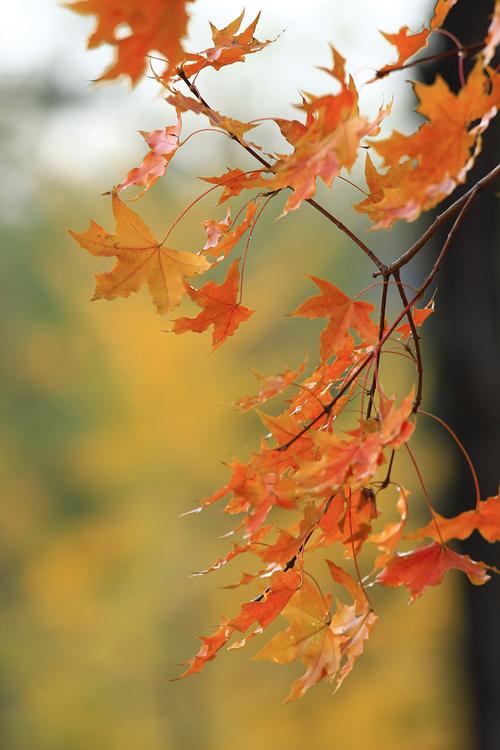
(333, 219)
(416, 342)
(440, 220)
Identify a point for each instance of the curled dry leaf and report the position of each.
(221, 240)
(162, 144)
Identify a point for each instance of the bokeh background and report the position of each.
(112, 427)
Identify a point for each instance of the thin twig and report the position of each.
(416, 343)
(440, 220)
(430, 58)
(381, 325)
(428, 280)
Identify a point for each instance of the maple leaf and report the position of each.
(235, 180)
(220, 308)
(327, 645)
(390, 536)
(266, 608)
(309, 401)
(220, 239)
(328, 142)
(343, 313)
(427, 566)
(485, 518)
(270, 386)
(287, 544)
(426, 166)
(155, 26)
(493, 36)
(162, 144)
(140, 260)
(344, 578)
(208, 651)
(229, 47)
(408, 43)
(419, 315)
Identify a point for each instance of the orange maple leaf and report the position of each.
(328, 141)
(427, 566)
(344, 314)
(140, 260)
(270, 386)
(409, 43)
(155, 26)
(485, 518)
(235, 180)
(220, 239)
(493, 36)
(229, 47)
(419, 315)
(210, 648)
(220, 308)
(426, 166)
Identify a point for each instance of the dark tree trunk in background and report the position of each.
(469, 372)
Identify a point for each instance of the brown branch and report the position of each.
(420, 291)
(381, 325)
(416, 342)
(440, 220)
(333, 219)
(463, 51)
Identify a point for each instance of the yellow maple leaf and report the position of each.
(140, 260)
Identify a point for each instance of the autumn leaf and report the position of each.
(426, 166)
(427, 566)
(235, 180)
(493, 36)
(266, 608)
(229, 47)
(419, 315)
(208, 651)
(221, 239)
(485, 518)
(220, 308)
(341, 576)
(234, 128)
(154, 26)
(270, 386)
(140, 260)
(327, 645)
(288, 544)
(390, 536)
(409, 43)
(327, 142)
(162, 144)
(344, 314)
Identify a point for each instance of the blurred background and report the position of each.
(111, 427)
